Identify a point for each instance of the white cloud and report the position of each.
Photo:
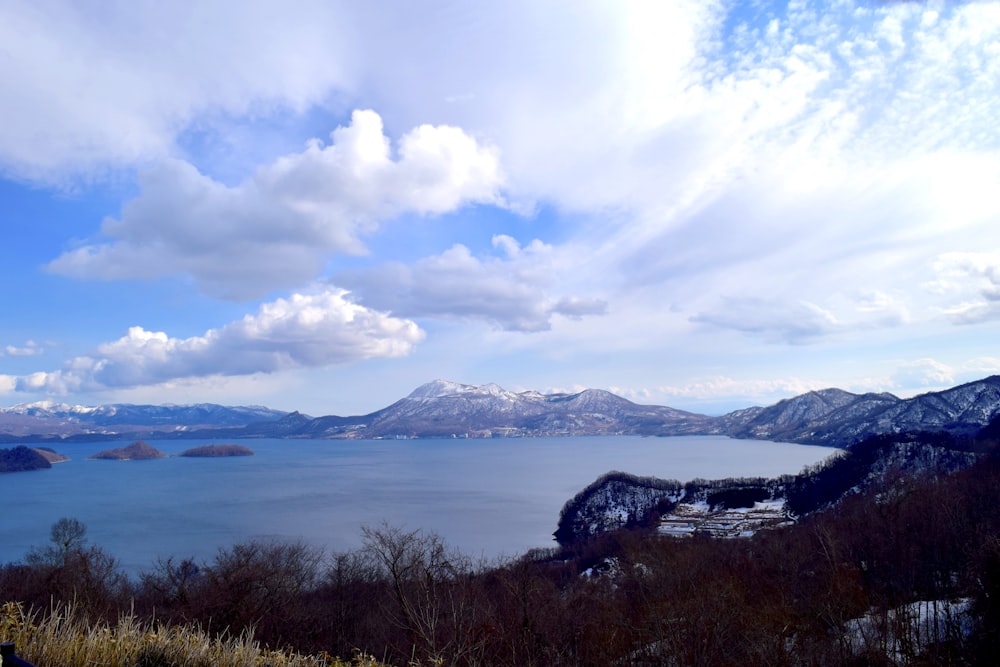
(797, 172)
(818, 142)
(774, 321)
(980, 365)
(923, 373)
(303, 331)
(971, 282)
(29, 349)
(276, 230)
(724, 387)
(510, 292)
(103, 86)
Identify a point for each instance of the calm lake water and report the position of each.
(486, 497)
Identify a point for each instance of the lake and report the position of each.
(488, 498)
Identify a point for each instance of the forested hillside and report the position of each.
(620, 500)
(20, 459)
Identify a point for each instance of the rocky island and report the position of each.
(213, 451)
(137, 451)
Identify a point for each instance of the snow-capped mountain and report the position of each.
(444, 409)
(830, 416)
(833, 416)
(46, 418)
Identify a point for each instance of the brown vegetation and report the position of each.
(65, 638)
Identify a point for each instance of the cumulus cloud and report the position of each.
(277, 229)
(510, 291)
(303, 331)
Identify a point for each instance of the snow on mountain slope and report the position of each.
(444, 408)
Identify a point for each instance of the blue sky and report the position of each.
(320, 206)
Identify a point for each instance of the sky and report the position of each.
(320, 205)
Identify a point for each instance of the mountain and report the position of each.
(829, 416)
(833, 416)
(448, 409)
(49, 420)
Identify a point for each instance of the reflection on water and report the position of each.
(486, 497)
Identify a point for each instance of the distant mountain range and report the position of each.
(49, 420)
(449, 409)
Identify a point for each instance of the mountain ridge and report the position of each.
(442, 408)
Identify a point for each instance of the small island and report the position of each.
(21, 459)
(137, 451)
(212, 451)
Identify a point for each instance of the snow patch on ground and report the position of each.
(904, 633)
(689, 519)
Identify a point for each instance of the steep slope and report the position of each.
(817, 416)
(837, 417)
(973, 403)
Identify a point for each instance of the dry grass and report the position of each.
(63, 638)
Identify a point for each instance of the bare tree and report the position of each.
(434, 595)
(261, 585)
(73, 571)
(170, 588)
(68, 536)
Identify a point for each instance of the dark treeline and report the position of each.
(875, 457)
(836, 588)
